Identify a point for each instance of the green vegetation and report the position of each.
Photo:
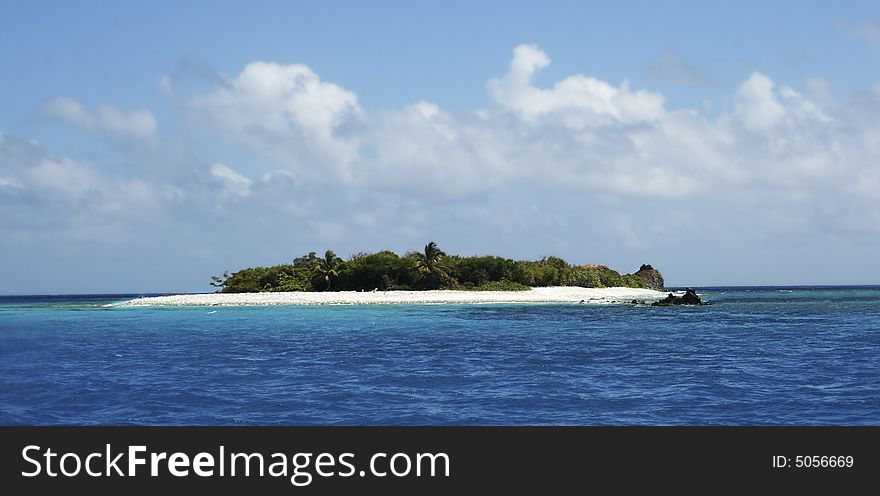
(430, 271)
(499, 286)
(325, 270)
(427, 269)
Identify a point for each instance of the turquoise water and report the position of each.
(756, 356)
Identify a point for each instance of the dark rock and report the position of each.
(650, 277)
(690, 297)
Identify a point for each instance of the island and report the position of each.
(426, 276)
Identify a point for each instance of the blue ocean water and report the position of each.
(756, 356)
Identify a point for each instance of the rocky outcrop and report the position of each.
(650, 278)
(690, 297)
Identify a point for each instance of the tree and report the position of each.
(429, 267)
(220, 281)
(305, 260)
(326, 269)
(383, 270)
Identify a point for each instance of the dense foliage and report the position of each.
(427, 269)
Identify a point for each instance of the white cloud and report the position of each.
(287, 112)
(233, 184)
(63, 177)
(757, 104)
(598, 102)
(278, 176)
(139, 124)
(63, 189)
(580, 135)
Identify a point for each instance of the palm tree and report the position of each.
(326, 269)
(429, 266)
(220, 281)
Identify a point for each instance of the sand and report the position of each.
(565, 294)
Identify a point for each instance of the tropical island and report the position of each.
(430, 269)
(429, 276)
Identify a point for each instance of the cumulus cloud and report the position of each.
(757, 104)
(597, 102)
(138, 125)
(778, 149)
(287, 112)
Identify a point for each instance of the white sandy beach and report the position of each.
(564, 294)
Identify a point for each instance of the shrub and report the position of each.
(501, 286)
(583, 277)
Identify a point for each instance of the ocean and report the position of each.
(756, 356)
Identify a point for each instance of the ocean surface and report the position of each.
(756, 356)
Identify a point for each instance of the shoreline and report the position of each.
(553, 294)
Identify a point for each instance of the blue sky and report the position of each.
(147, 146)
